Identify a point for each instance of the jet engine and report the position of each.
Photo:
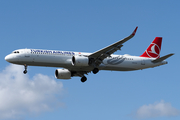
(62, 74)
(80, 61)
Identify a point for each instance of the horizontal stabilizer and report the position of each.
(162, 58)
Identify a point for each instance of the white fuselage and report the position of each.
(53, 58)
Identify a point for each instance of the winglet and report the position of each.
(162, 58)
(134, 32)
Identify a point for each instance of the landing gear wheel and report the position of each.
(95, 70)
(83, 79)
(25, 71)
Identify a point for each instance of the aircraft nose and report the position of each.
(8, 58)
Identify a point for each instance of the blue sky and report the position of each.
(88, 26)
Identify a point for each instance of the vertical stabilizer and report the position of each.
(154, 49)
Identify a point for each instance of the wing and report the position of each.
(97, 57)
(162, 58)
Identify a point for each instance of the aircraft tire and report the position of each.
(95, 70)
(83, 79)
(25, 71)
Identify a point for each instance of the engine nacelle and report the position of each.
(80, 61)
(62, 74)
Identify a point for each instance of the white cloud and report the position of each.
(157, 109)
(20, 95)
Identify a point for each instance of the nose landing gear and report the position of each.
(25, 71)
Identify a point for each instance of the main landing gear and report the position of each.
(25, 71)
(83, 79)
(95, 70)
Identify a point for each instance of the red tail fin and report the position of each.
(153, 51)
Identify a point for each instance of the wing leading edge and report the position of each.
(98, 56)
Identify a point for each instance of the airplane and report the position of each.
(81, 63)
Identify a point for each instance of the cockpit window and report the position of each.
(15, 51)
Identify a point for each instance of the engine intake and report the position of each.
(62, 74)
(80, 61)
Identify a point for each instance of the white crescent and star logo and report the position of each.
(153, 51)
